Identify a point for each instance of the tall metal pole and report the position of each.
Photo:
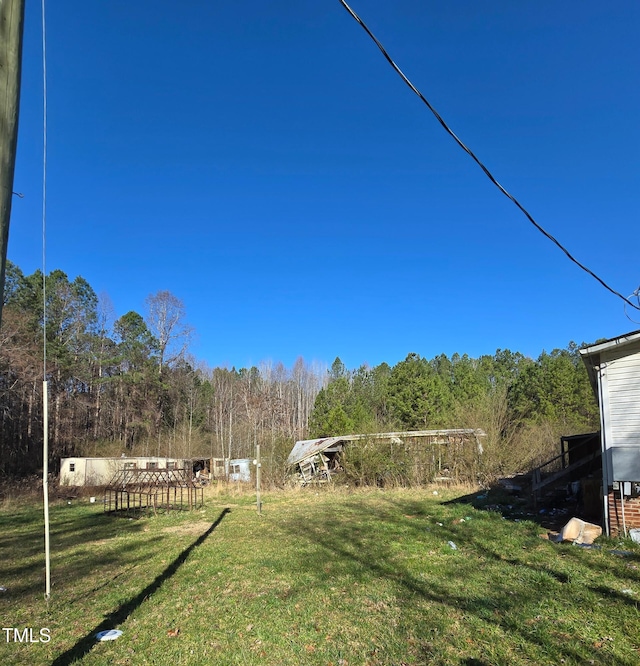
(45, 490)
(11, 29)
(258, 470)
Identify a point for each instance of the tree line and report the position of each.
(128, 384)
(523, 405)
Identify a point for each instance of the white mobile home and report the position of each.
(239, 470)
(100, 471)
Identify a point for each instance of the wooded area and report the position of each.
(128, 384)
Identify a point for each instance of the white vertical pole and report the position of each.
(624, 522)
(45, 389)
(258, 467)
(45, 487)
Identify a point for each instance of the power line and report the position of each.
(636, 295)
(480, 164)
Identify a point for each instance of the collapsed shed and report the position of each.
(450, 454)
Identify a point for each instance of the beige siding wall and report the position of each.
(623, 388)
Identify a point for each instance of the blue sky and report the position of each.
(264, 163)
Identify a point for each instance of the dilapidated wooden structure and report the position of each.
(135, 491)
(436, 455)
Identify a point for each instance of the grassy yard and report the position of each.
(337, 577)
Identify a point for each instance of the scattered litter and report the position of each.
(622, 553)
(92, 500)
(510, 485)
(557, 538)
(627, 591)
(577, 531)
(452, 545)
(600, 644)
(2, 588)
(173, 632)
(109, 635)
(439, 524)
(552, 512)
(635, 535)
(580, 532)
(435, 492)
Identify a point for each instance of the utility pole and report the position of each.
(11, 29)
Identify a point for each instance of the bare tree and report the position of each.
(166, 323)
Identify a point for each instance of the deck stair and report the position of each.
(574, 461)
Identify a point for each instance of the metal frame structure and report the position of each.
(135, 491)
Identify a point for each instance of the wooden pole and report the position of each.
(11, 29)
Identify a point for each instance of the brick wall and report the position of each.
(631, 513)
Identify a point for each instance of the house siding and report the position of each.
(614, 371)
(620, 378)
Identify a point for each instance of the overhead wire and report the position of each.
(636, 295)
(473, 156)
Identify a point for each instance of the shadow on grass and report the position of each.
(511, 598)
(23, 530)
(515, 503)
(73, 528)
(113, 620)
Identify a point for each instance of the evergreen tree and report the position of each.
(418, 396)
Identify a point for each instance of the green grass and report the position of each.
(342, 578)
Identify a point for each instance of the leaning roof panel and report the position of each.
(310, 447)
